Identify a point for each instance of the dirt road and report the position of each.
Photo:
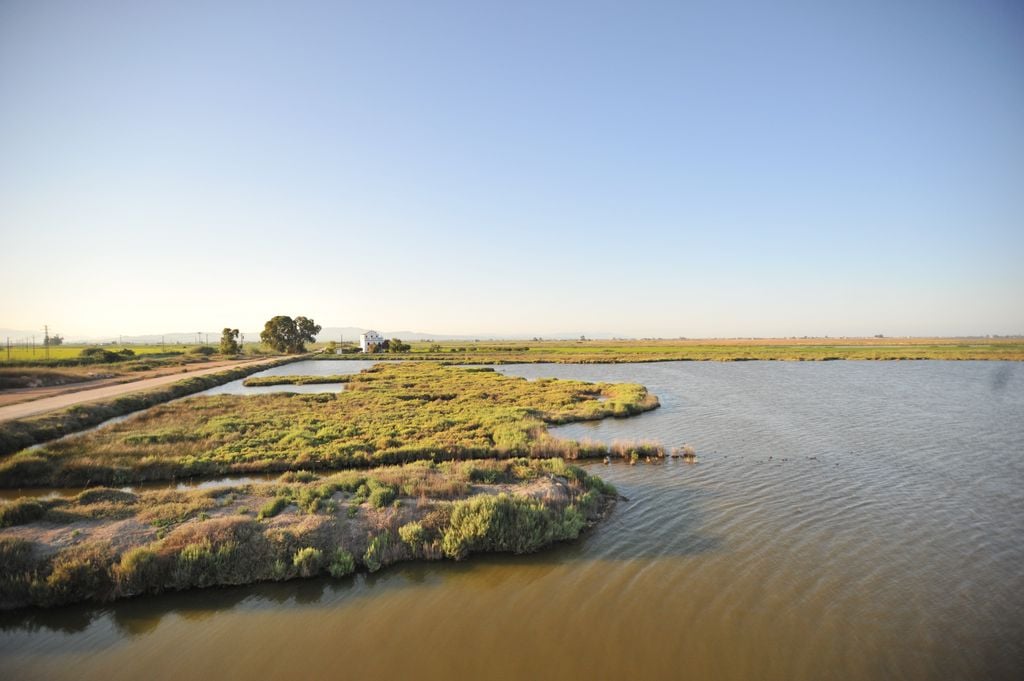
(68, 399)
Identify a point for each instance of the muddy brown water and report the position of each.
(844, 521)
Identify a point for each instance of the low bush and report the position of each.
(102, 355)
(342, 563)
(21, 511)
(308, 561)
(18, 571)
(507, 524)
(137, 572)
(272, 508)
(412, 534)
(376, 552)
(382, 495)
(78, 573)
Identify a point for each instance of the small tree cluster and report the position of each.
(285, 334)
(229, 341)
(396, 345)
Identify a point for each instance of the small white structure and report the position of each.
(369, 341)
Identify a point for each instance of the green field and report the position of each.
(20, 353)
(817, 349)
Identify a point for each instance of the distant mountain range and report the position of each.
(335, 333)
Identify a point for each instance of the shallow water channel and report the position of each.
(845, 520)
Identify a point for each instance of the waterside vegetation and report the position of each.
(258, 381)
(392, 413)
(107, 543)
(726, 350)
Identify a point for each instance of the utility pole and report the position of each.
(8, 348)
(46, 339)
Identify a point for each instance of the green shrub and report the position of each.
(103, 355)
(18, 570)
(412, 534)
(308, 561)
(21, 511)
(78, 573)
(137, 572)
(297, 476)
(506, 523)
(342, 563)
(375, 552)
(201, 564)
(382, 496)
(272, 508)
(362, 493)
(106, 494)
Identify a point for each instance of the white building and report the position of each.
(369, 341)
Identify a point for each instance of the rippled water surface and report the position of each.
(845, 521)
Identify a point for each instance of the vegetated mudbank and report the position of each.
(393, 413)
(107, 544)
(257, 381)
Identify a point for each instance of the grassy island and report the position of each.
(108, 543)
(256, 381)
(392, 413)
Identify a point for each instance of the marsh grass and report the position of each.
(295, 380)
(726, 350)
(535, 502)
(393, 413)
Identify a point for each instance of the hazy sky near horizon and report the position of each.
(635, 168)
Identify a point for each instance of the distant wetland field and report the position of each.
(780, 349)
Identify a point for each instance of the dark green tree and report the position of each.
(229, 341)
(285, 334)
(396, 345)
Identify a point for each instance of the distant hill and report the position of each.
(351, 333)
(348, 333)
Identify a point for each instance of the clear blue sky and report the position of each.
(676, 168)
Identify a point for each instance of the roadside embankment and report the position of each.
(24, 425)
